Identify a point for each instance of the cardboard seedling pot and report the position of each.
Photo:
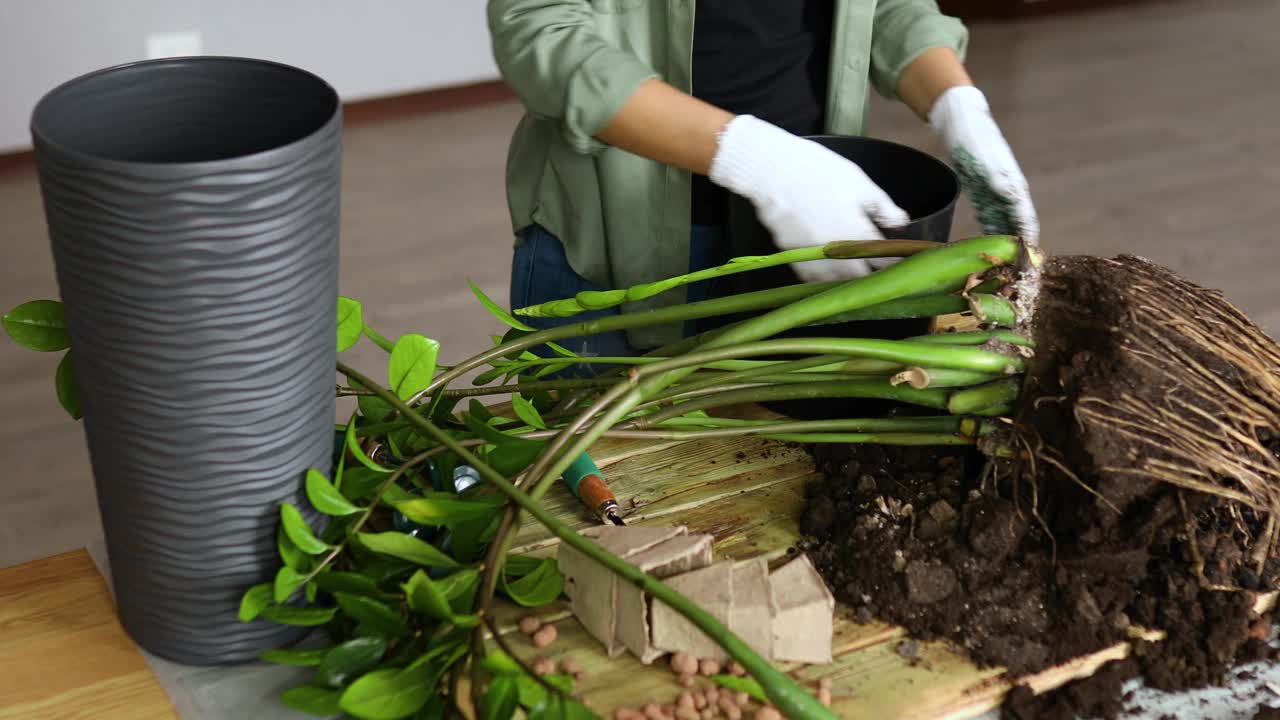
(786, 615)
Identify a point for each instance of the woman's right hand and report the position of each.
(804, 193)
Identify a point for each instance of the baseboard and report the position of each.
(363, 112)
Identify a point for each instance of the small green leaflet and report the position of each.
(350, 659)
(350, 323)
(37, 325)
(295, 658)
(378, 616)
(408, 548)
(332, 581)
(527, 412)
(533, 695)
(412, 364)
(300, 532)
(460, 587)
(254, 601)
(289, 553)
(325, 497)
(426, 597)
(302, 617)
(312, 700)
(445, 508)
(360, 482)
(287, 583)
(64, 385)
(392, 693)
(495, 310)
(373, 407)
(499, 701)
(538, 588)
(353, 444)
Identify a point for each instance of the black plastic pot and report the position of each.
(925, 187)
(192, 206)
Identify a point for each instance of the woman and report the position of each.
(643, 114)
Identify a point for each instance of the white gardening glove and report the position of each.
(988, 172)
(804, 193)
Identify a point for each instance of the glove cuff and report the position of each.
(954, 102)
(746, 149)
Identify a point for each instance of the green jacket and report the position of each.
(624, 219)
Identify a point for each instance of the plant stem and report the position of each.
(378, 339)
(918, 439)
(993, 310)
(793, 700)
(602, 299)
(529, 386)
(983, 397)
(915, 275)
(975, 337)
(505, 647)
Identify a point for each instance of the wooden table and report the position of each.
(63, 655)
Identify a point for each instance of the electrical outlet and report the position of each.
(174, 44)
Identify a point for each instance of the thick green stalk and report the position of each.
(792, 699)
(917, 439)
(993, 310)
(730, 305)
(975, 337)
(928, 424)
(912, 276)
(984, 397)
(879, 389)
(923, 306)
(601, 299)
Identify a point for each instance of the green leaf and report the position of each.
(353, 444)
(373, 407)
(532, 694)
(408, 548)
(510, 459)
(334, 581)
(350, 323)
(325, 497)
(527, 412)
(518, 566)
(351, 658)
(460, 587)
(538, 588)
(300, 532)
(64, 384)
(557, 708)
(295, 658)
(479, 411)
(497, 662)
(289, 553)
(471, 538)
(499, 701)
(37, 325)
(378, 616)
(254, 601)
(445, 508)
(312, 700)
(412, 365)
(496, 310)
(287, 583)
(301, 617)
(426, 597)
(391, 693)
(360, 482)
(747, 685)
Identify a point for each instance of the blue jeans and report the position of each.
(540, 272)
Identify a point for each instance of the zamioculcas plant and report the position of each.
(403, 576)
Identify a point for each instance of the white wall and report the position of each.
(365, 49)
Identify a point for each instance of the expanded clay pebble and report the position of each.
(653, 712)
(824, 683)
(545, 636)
(729, 707)
(625, 713)
(544, 666)
(687, 713)
(713, 695)
(708, 713)
(571, 666)
(685, 680)
(684, 664)
(699, 700)
(736, 669)
(685, 700)
(529, 624)
(709, 667)
(768, 713)
(742, 699)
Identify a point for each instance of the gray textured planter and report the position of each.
(192, 206)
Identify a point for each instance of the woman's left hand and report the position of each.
(988, 171)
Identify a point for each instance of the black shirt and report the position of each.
(768, 58)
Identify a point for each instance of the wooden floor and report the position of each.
(1148, 130)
